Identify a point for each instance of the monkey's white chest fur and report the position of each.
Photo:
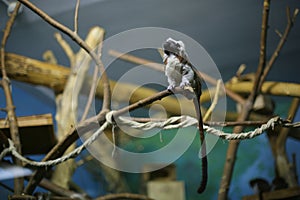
(173, 71)
(177, 73)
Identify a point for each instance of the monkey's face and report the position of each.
(171, 46)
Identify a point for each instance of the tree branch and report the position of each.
(94, 80)
(282, 163)
(247, 106)
(123, 196)
(283, 39)
(263, 47)
(10, 108)
(76, 16)
(67, 49)
(260, 76)
(214, 102)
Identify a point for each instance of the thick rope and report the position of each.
(171, 123)
(247, 135)
(186, 121)
(11, 149)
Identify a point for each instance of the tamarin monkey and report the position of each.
(180, 72)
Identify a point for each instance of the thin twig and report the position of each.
(278, 33)
(263, 47)
(10, 108)
(123, 196)
(91, 94)
(7, 187)
(283, 39)
(67, 49)
(94, 83)
(240, 70)
(214, 102)
(282, 162)
(106, 87)
(76, 17)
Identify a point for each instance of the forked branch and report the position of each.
(10, 108)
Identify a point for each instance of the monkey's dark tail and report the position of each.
(203, 148)
(204, 175)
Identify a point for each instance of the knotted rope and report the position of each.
(171, 123)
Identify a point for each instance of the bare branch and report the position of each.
(67, 49)
(10, 108)
(76, 17)
(123, 196)
(263, 47)
(49, 57)
(283, 39)
(94, 81)
(278, 33)
(247, 106)
(261, 73)
(214, 102)
(282, 162)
